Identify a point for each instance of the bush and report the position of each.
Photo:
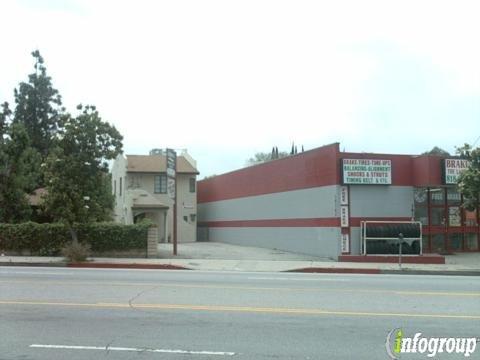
(50, 239)
(76, 252)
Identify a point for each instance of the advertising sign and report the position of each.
(367, 171)
(345, 243)
(344, 216)
(171, 187)
(344, 195)
(452, 168)
(171, 172)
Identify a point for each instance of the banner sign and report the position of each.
(344, 216)
(343, 195)
(367, 171)
(171, 172)
(452, 168)
(345, 244)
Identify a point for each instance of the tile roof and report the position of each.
(157, 163)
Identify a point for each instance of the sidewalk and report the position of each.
(251, 265)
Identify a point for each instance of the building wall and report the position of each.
(302, 221)
(289, 204)
(187, 208)
(310, 203)
(122, 207)
(294, 203)
(187, 201)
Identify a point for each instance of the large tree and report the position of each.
(437, 151)
(38, 107)
(18, 169)
(262, 157)
(76, 170)
(469, 181)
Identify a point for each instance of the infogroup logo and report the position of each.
(397, 344)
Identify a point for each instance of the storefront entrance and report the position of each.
(447, 226)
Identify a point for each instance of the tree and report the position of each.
(18, 169)
(262, 157)
(469, 181)
(38, 107)
(437, 151)
(78, 183)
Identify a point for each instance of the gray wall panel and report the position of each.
(381, 201)
(355, 242)
(317, 202)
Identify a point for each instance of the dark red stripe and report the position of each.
(355, 221)
(315, 222)
(306, 222)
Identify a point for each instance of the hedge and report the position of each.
(48, 239)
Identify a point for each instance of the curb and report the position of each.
(87, 265)
(433, 272)
(26, 264)
(98, 265)
(336, 270)
(126, 266)
(387, 271)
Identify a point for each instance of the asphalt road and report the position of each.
(60, 313)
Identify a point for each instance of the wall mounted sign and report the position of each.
(345, 243)
(367, 171)
(344, 216)
(343, 195)
(171, 172)
(452, 168)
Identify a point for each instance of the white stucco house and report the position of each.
(139, 184)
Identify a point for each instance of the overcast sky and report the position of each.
(226, 79)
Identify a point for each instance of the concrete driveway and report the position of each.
(223, 251)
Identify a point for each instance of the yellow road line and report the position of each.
(252, 288)
(245, 309)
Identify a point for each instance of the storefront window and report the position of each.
(425, 244)
(421, 214)
(471, 218)
(437, 196)
(453, 196)
(420, 196)
(437, 216)
(471, 241)
(456, 242)
(454, 216)
(438, 242)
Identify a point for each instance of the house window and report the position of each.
(192, 185)
(115, 187)
(160, 184)
(120, 188)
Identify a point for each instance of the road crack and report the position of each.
(135, 297)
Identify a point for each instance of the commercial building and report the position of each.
(139, 183)
(314, 202)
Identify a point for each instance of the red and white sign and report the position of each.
(345, 243)
(453, 169)
(344, 216)
(343, 195)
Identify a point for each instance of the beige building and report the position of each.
(139, 183)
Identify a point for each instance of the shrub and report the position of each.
(50, 239)
(76, 252)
